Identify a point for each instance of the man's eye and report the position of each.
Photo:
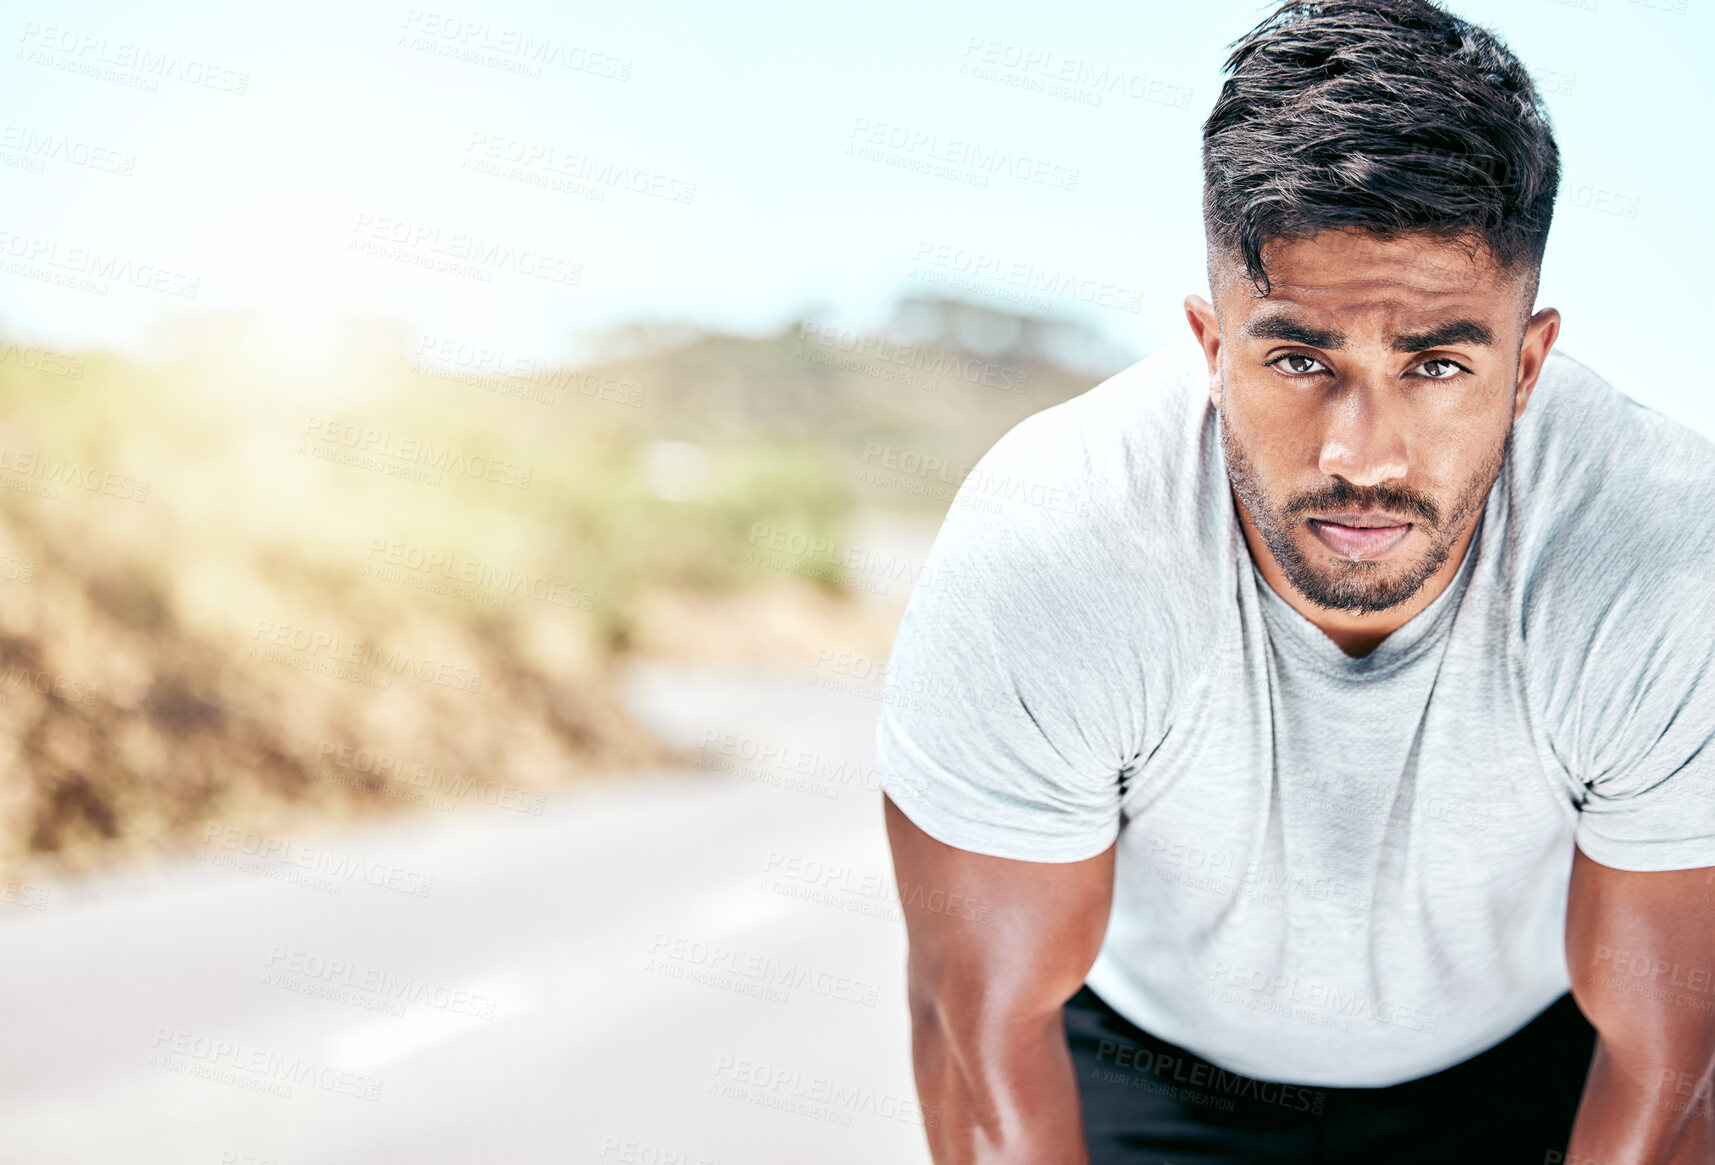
(1439, 369)
(1298, 364)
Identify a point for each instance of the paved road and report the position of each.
(691, 967)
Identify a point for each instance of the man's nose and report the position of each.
(1362, 436)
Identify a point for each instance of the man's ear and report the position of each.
(1539, 336)
(1200, 314)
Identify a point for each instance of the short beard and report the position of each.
(1360, 587)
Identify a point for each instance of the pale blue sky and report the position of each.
(257, 195)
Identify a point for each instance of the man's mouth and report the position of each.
(1359, 536)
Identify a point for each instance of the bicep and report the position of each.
(991, 935)
(1640, 949)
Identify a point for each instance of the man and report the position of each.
(1334, 692)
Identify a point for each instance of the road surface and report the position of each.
(685, 967)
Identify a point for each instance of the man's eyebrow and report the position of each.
(1282, 327)
(1443, 335)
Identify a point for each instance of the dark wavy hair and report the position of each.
(1389, 116)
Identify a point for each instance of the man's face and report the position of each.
(1367, 404)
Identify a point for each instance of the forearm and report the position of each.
(1644, 1109)
(1006, 1097)
(988, 1036)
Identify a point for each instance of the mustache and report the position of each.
(1343, 495)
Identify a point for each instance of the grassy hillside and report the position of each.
(245, 584)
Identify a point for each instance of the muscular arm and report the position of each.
(986, 987)
(1641, 951)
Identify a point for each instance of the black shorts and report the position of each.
(1148, 1102)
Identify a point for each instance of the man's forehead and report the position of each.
(1390, 287)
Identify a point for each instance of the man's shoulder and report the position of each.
(1108, 501)
(1586, 456)
(1109, 452)
(1570, 397)
(1168, 386)
(1612, 501)
(1610, 558)
(1083, 552)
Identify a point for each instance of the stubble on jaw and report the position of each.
(1356, 587)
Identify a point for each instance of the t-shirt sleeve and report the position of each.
(1002, 729)
(1648, 732)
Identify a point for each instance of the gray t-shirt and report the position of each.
(1330, 871)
